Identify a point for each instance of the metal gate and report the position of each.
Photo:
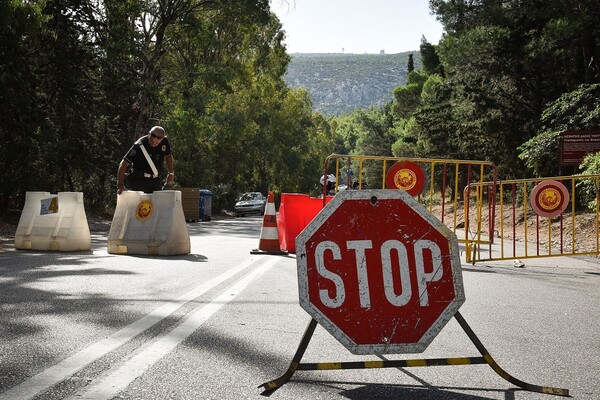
(519, 228)
(498, 221)
(441, 182)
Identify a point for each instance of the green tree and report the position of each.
(496, 113)
(407, 98)
(576, 110)
(505, 61)
(430, 59)
(410, 66)
(375, 137)
(67, 81)
(241, 128)
(90, 76)
(434, 130)
(20, 28)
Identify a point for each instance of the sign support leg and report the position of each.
(492, 363)
(295, 365)
(283, 379)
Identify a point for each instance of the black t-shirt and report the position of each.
(136, 158)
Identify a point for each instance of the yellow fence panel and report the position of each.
(538, 217)
(502, 220)
(436, 183)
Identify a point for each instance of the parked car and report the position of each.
(250, 203)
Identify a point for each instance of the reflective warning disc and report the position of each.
(406, 175)
(549, 198)
(144, 210)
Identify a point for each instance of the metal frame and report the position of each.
(479, 247)
(486, 358)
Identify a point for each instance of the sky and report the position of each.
(356, 26)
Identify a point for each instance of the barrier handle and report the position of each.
(125, 224)
(58, 224)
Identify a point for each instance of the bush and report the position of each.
(589, 189)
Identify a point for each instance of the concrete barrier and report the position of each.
(53, 222)
(149, 224)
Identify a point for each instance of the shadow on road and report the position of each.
(412, 392)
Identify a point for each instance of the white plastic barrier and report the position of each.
(55, 222)
(149, 224)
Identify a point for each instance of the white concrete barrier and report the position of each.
(149, 224)
(54, 222)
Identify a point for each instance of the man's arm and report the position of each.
(121, 176)
(171, 176)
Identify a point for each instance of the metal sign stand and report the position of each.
(485, 358)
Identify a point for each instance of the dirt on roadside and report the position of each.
(518, 226)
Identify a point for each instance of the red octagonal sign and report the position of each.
(379, 272)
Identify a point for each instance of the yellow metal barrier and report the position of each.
(518, 231)
(442, 193)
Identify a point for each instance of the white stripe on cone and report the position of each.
(270, 209)
(269, 233)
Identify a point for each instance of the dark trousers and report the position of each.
(146, 185)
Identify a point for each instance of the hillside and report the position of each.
(341, 83)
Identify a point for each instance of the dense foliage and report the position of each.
(82, 79)
(579, 109)
(504, 81)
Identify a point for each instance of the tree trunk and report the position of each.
(150, 76)
(590, 65)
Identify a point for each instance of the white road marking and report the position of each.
(110, 385)
(59, 372)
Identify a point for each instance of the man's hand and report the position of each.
(170, 178)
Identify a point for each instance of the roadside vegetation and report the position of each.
(82, 79)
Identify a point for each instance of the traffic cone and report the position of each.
(269, 236)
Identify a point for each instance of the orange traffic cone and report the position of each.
(269, 236)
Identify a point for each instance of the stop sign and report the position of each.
(379, 272)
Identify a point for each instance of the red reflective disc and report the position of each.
(549, 198)
(406, 175)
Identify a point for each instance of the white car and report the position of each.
(250, 203)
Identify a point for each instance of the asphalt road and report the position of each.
(219, 322)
